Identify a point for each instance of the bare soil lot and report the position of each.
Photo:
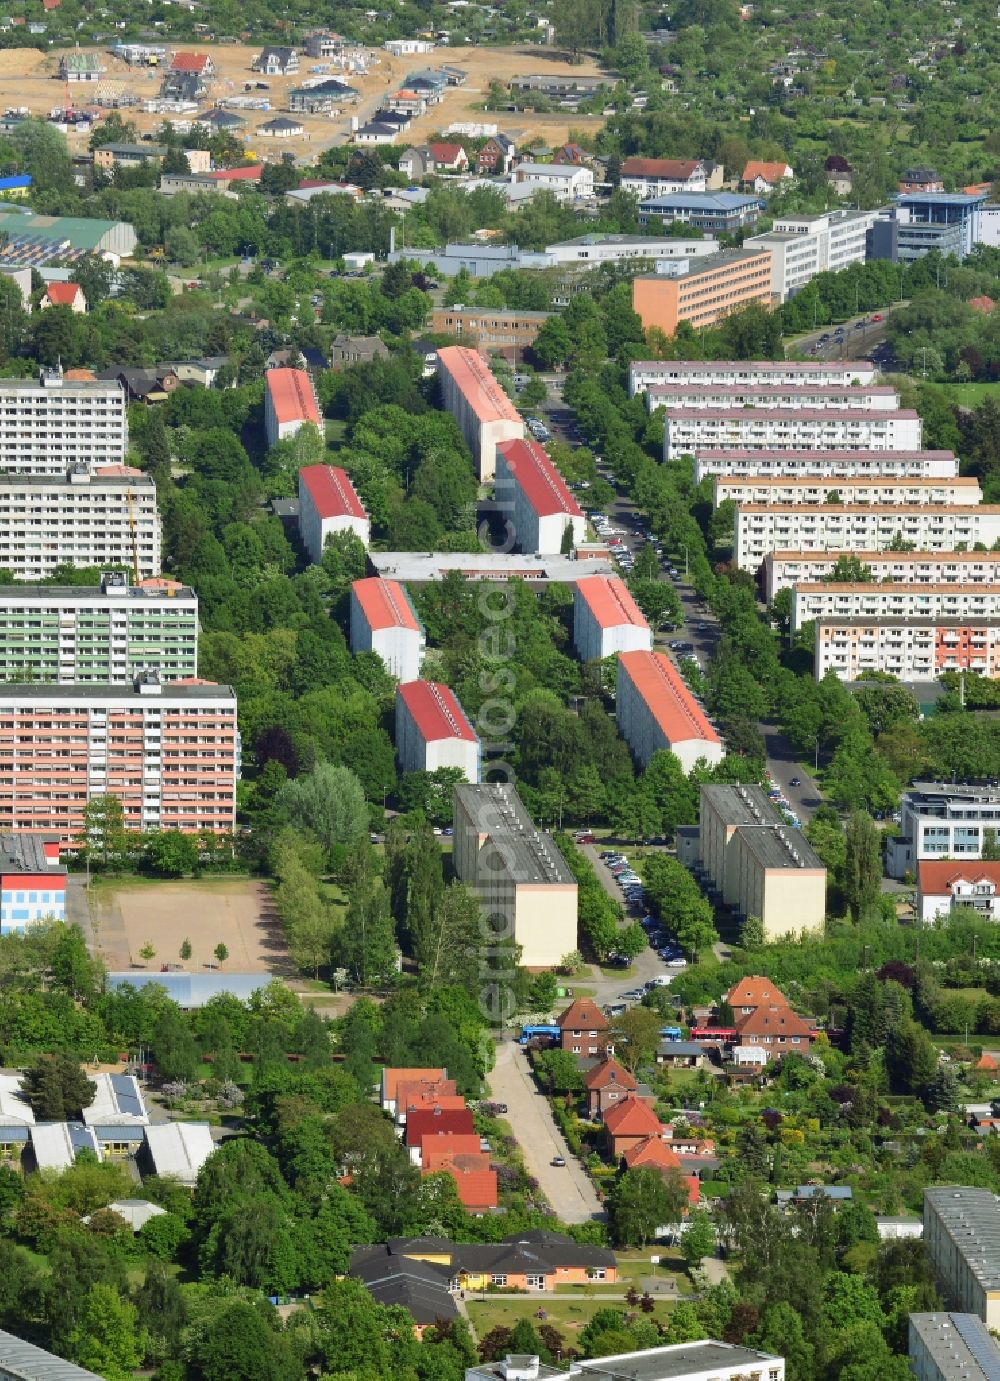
(30, 78)
(236, 912)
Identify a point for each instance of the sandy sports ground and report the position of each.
(29, 78)
(236, 912)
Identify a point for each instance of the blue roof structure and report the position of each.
(195, 989)
(133, 1133)
(711, 201)
(11, 1132)
(14, 181)
(941, 198)
(827, 1191)
(124, 1087)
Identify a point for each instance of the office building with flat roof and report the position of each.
(962, 1240)
(942, 820)
(432, 730)
(861, 528)
(170, 753)
(384, 621)
(606, 619)
(527, 889)
(55, 421)
(655, 711)
(758, 864)
(535, 499)
(952, 1347)
(717, 213)
(708, 289)
(86, 634)
(289, 403)
(692, 431)
(328, 503)
(803, 246)
(426, 567)
(643, 374)
(32, 881)
(783, 569)
(706, 1360)
(484, 413)
(105, 518)
(857, 489)
(828, 465)
(872, 398)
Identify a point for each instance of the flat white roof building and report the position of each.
(914, 649)
(426, 567)
(328, 503)
(384, 621)
(782, 569)
(178, 1150)
(747, 373)
(535, 499)
(952, 1347)
(688, 431)
(598, 248)
(707, 1360)
(479, 405)
(821, 397)
(655, 711)
(58, 420)
(827, 464)
(803, 246)
(432, 730)
(606, 619)
(804, 527)
(289, 403)
(15, 1110)
(853, 491)
(55, 1144)
(105, 518)
(942, 820)
(894, 603)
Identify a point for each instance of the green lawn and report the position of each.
(569, 1315)
(970, 395)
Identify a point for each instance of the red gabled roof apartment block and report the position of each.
(328, 503)
(656, 712)
(606, 1084)
(535, 499)
(776, 1029)
(243, 172)
(752, 992)
(393, 1077)
(484, 413)
(384, 621)
(658, 177)
(432, 730)
(439, 1148)
(289, 403)
(606, 619)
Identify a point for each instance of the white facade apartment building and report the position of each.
(655, 711)
(942, 820)
(827, 464)
(658, 177)
(836, 527)
(911, 649)
(328, 503)
(57, 421)
(853, 491)
(484, 413)
(597, 248)
(535, 499)
(606, 619)
(803, 246)
(643, 374)
(872, 398)
(384, 621)
(893, 603)
(432, 730)
(108, 518)
(568, 182)
(783, 569)
(686, 431)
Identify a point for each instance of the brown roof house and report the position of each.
(629, 1122)
(607, 1084)
(584, 1028)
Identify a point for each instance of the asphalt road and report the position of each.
(861, 336)
(568, 1188)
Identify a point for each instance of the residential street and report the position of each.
(568, 1188)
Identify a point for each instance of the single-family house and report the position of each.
(607, 1084)
(346, 349)
(764, 177)
(945, 885)
(921, 180)
(497, 155)
(75, 66)
(392, 1077)
(653, 1154)
(627, 1123)
(281, 127)
(839, 175)
(375, 132)
(276, 60)
(583, 1028)
(777, 1029)
(567, 182)
(430, 1122)
(570, 153)
(64, 295)
(448, 158)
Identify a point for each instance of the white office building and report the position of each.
(827, 465)
(785, 568)
(384, 621)
(750, 373)
(942, 820)
(597, 248)
(836, 527)
(803, 246)
(606, 619)
(813, 397)
(893, 603)
(854, 491)
(60, 420)
(688, 431)
(535, 499)
(433, 731)
(105, 518)
(912, 649)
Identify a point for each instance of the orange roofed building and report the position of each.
(583, 1029)
(392, 1078)
(656, 712)
(654, 1154)
(289, 403)
(628, 1123)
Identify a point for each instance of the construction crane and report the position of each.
(132, 535)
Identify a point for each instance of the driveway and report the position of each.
(568, 1189)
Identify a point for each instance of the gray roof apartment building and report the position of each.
(962, 1238)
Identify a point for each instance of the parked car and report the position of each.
(558, 1161)
(586, 838)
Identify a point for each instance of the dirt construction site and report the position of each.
(30, 79)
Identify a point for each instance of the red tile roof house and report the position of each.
(607, 1084)
(424, 1122)
(392, 1078)
(628, 1123)
(584, 1029)
(752, 992)
(449, 158)
(776, 1029)
(64, 295)
(414, 1092)
(764, 177)
(193, 62)
(441, 1148)
(654, 1154)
